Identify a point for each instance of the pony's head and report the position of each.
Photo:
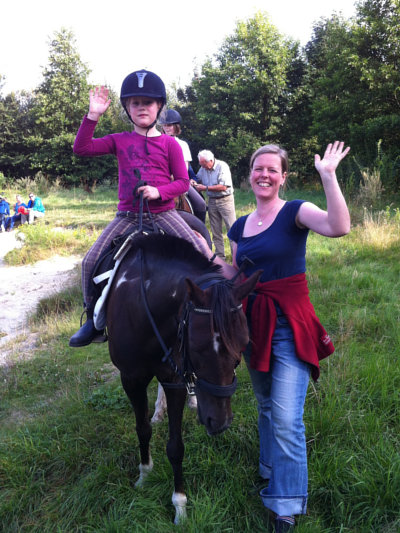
(217, 334)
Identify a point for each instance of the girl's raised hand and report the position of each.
(98, 102)
(334, 153)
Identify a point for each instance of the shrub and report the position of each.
(371, 188)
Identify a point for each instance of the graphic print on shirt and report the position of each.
(128, 179)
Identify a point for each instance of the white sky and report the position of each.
(114, 38)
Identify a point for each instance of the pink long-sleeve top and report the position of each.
(165, 159)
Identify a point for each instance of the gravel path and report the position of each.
(22, 288)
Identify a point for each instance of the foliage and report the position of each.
(233, 105)
(60, 103)
(259, 87)
(371, 189)
(37, 131)
(355, 78)
(16, 124)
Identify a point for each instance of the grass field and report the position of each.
(68, 449)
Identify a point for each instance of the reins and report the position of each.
(186, 373)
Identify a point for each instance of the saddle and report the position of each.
(108, 263)
(107, 266)
(182, 203)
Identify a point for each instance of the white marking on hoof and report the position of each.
(192, 402)
(160, 406)
(144, 472)
(179, 501)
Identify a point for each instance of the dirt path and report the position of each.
(23, 287)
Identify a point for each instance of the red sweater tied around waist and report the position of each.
(312, 342)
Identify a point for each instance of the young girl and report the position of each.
(156, 156)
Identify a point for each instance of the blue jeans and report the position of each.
(281, 394)
(11, 221)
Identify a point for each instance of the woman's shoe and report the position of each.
(283, 526)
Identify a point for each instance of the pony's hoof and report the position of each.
(179, 501)
(192, 402)
(144, 472)
(157, 418)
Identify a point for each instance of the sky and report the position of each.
(116, 37)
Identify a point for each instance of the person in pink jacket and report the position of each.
(143, 154)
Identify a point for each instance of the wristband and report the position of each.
(212, 258)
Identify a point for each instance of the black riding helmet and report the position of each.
(143, 83)
(170, 117)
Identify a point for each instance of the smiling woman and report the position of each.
(287, 338)
(268, 175)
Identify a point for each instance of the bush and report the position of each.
(371, 189)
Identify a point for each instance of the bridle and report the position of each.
(186, 370)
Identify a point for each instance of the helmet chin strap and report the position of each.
(148, 127)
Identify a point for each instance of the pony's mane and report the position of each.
(171, 248)
(223, 305)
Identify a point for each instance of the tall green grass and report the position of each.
(68, 449)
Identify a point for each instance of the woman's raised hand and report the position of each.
(98, 102)
(334, 153)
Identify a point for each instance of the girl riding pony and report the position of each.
(142, 152)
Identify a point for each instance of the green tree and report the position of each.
(233, 105)
(60, 102)
(376, 37)
(15, 126)
(355, 79)
(58, 108)
(333, 80)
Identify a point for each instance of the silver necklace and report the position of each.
(260, 222)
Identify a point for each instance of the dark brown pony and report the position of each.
(172, 315)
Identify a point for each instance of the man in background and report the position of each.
(214, 177)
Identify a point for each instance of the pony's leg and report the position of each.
(175, 449)
(136, 392)
(160, 406)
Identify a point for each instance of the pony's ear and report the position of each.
(196, 295)
(245, 288)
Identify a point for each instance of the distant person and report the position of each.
(143, 151)
(214, 177)
(171, 124)
(19, 208)
(35, 209)
(4, 212)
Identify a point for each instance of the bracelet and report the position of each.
(212, 258)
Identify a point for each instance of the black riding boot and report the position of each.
(87, 332)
